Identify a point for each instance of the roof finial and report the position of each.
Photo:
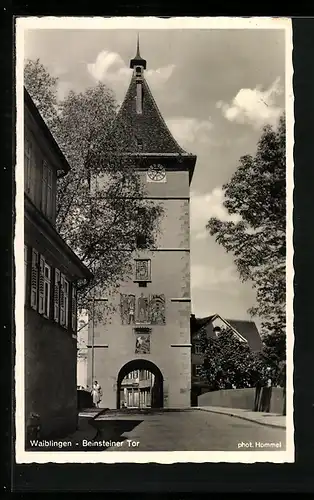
(138, 45)
(138, 60)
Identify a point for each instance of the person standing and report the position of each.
(96, 394)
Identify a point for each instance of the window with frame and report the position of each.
(64, 301)
(198, 369)
(73, 308)
(139, 98)
(139, 144)
(28, 149)
(34, 279)
(44, 288)
(197, 348)
(46, 190)
(56, 296)
(141, 241)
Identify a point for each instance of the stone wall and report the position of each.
(243, 399)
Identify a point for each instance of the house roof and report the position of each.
(246, 329)
(28, 101)
(249, 331)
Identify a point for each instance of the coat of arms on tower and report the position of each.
(142, 344)
(142, 270)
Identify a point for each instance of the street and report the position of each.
(184, 430)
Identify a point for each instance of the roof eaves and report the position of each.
(48, 135)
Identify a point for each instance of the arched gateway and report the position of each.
(156, 390)
(149, 319)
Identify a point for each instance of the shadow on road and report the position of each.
(112, 430)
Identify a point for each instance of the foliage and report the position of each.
(100, 202)
(42, 88)
(273, 355)
(230, 363)
(257, 194)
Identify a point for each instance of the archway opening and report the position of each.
(140, 385)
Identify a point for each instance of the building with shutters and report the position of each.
(51, 272)
(136, 389)
(149, 328)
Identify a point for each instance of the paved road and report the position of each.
(187, 430)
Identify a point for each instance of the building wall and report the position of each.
(170, 270)
(50, 375)
(40, 152)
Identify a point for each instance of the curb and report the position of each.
(241, 417)
(98, 414)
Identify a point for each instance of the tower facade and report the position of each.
(149, 329)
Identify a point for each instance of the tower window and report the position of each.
(141, 241)
(138, 71)
(139, 143)
(139, 98)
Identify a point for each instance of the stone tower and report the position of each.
(150, 329)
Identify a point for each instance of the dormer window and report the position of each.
(139, 98)
(139, 144)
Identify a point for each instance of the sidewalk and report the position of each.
(268, 419)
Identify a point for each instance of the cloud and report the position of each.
(109, 67)
(157, 77)
(254, 106)
(210, 278)
(190, 130)
(205, 206)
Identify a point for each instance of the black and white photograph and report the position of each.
(154, 180)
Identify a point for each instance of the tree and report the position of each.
(257, 194)
(273, 355)
(230, 363)
(100, 203)
(42, 88)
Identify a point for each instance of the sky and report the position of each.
(216, 89)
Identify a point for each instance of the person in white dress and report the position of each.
(96, 394)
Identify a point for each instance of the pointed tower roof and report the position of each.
(143, 132)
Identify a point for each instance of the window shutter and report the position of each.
(41, 285)
(34, 279)
(62, 301)
(56, 297)
(74, 307)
